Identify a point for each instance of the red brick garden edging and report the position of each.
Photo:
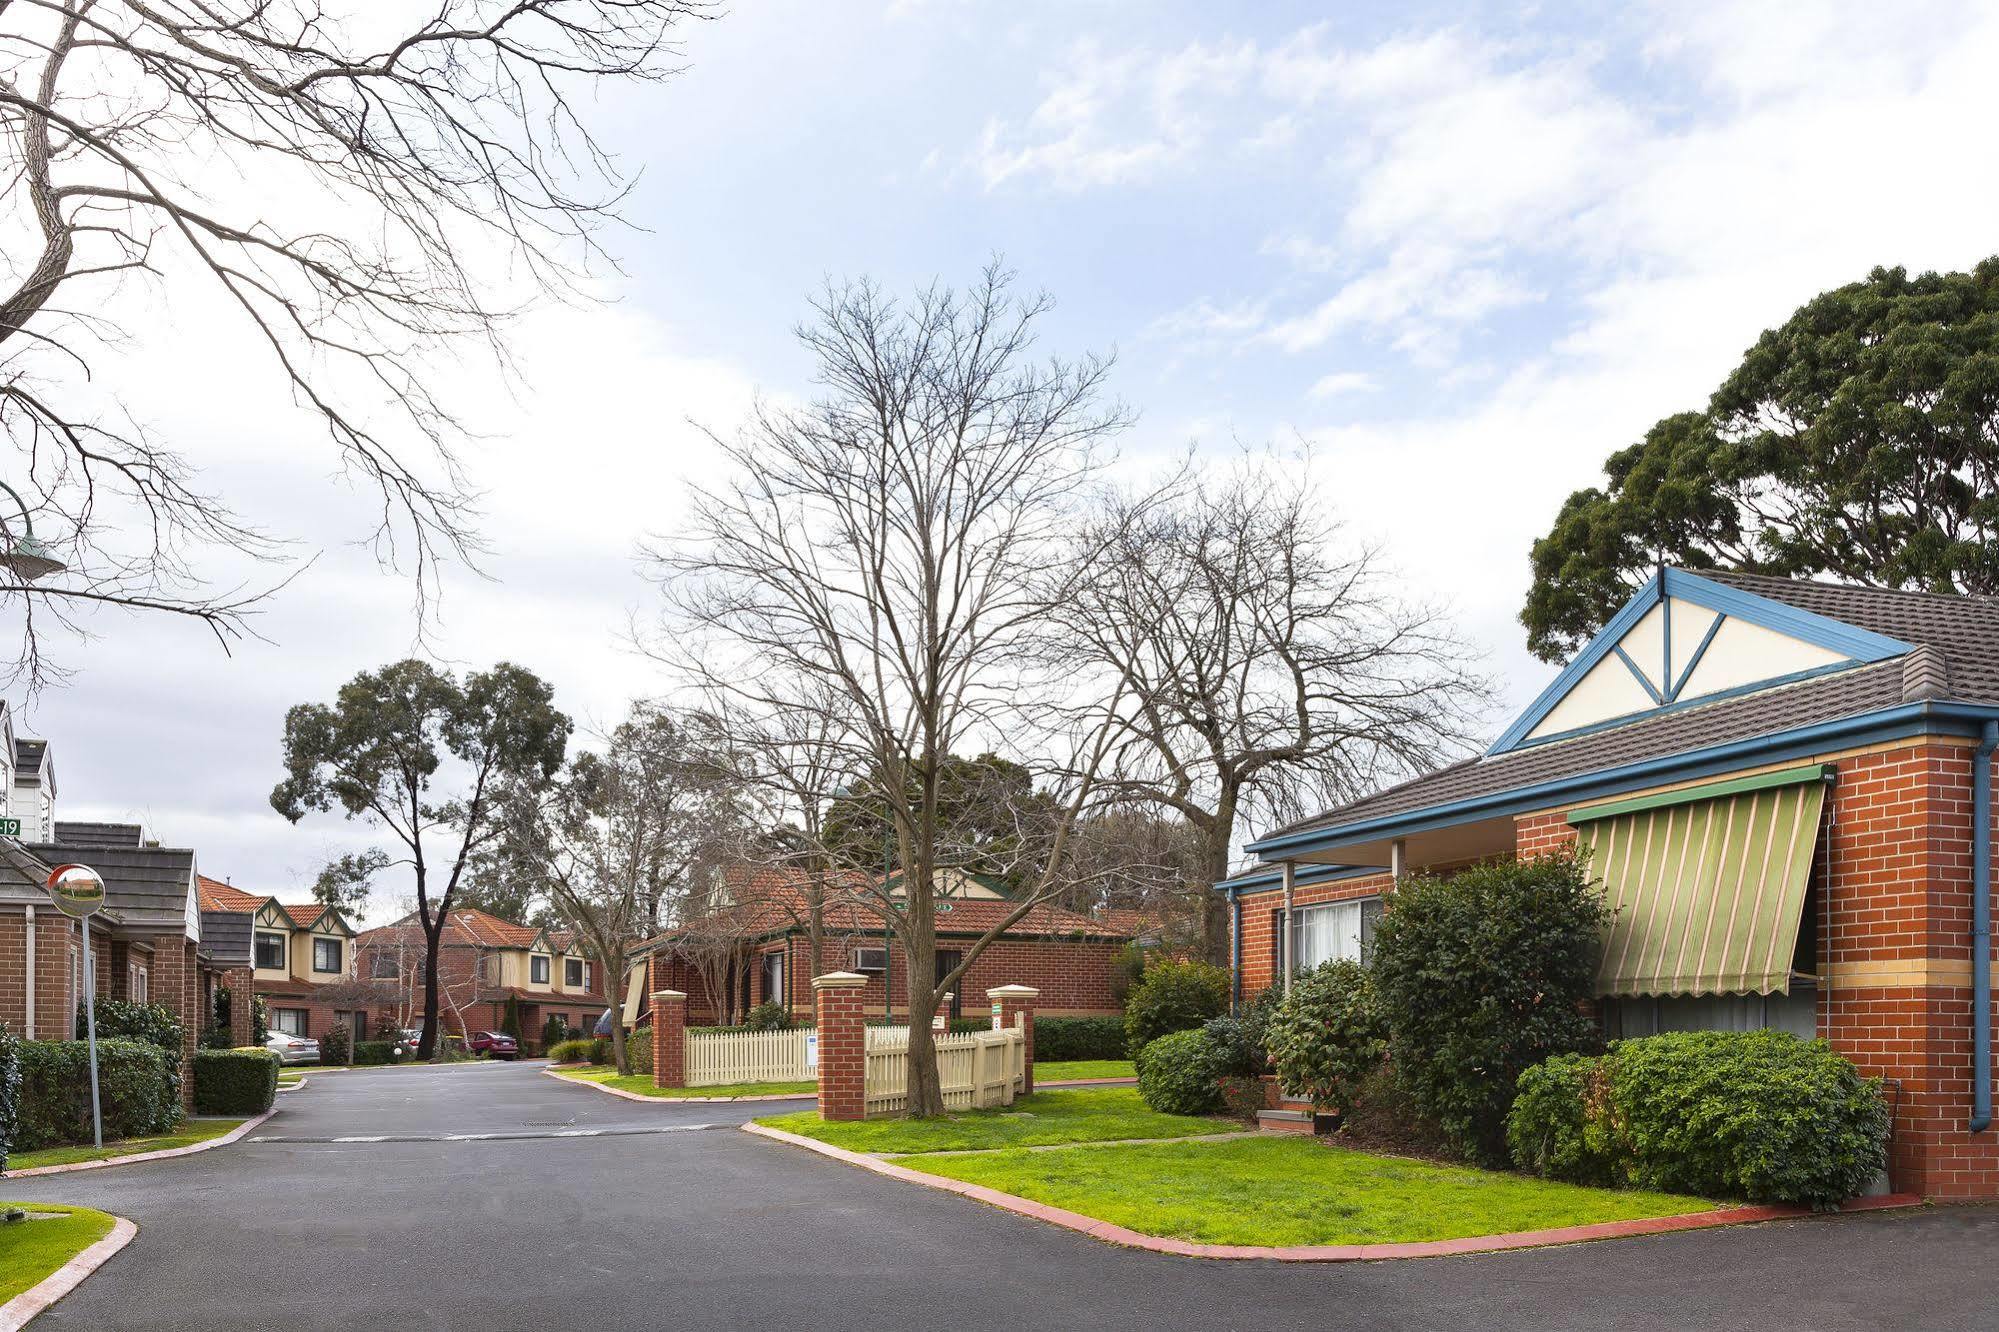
(163, 1154)
(673, 1100)
(1320, 1253)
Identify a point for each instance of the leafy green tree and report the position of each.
(417, 752)
(1858, 440)
(343, 882)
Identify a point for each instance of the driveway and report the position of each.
(583, 1211)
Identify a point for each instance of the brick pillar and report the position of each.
(669, 1038)
(176, 985)
(843, 1044)
(1014, 1004)
(242, 983)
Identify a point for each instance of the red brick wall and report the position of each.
(1073, 975)
(1262, 963)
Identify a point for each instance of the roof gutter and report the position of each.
(1765, 748)
(1981, 928)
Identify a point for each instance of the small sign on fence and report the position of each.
(997, 1025)
(811, 1050)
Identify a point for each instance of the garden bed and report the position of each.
(1044, 1119)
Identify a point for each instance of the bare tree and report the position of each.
(895, 546)
(1266, 669)
(359, 187)
(605, 841)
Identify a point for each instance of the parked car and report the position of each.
(494, 1045)
(292, 1049)
(405, 1043)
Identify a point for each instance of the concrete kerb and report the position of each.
(1319, 1253)
(164, 1154)
(670, 1100)
(15, 1313)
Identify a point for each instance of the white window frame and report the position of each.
(135, 982)
(582, 981)
(280, 1015)
(1342, 930)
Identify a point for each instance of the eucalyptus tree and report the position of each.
(423, 756)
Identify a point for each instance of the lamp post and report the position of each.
(79, 894)
(28, 559)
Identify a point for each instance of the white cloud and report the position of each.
(1341, 383)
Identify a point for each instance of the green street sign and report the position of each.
(10, 827)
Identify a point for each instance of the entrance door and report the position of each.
(947, 962)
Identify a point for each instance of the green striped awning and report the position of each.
(1707, 885)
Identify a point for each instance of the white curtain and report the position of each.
(1326, 933)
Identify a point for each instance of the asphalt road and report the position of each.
(580, 1213)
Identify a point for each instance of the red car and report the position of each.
(494, 1045)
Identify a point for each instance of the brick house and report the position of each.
(296, 952)
(1785, 788)
(482, 962)
(754, 946)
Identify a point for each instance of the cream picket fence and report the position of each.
(720, 1058)
(979, 1070)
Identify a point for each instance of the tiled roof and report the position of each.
(483, 927)
(772, 900)
(28, 756)
(1957, 658)
(146, 884)
(100, 836)
(218, 896)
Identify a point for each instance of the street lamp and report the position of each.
(78, 891)
(27, 558)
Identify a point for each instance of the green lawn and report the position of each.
(642, 1084)
(191, 1132)
(1074, 1070)
(1045, 1118)
(30, 1250)
(1293, 1190)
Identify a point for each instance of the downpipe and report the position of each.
(1981, 929)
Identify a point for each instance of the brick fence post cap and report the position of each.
(661, 995)
(839, 980)
(1012, 992)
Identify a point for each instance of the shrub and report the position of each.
(770, 1015)
(1241, 1097)
(260, 1021)
(1235, 1046)
(138, 1085)
(1126, 970)
(370, 1053)
(600, 1049)
(1328, 1035)
(576, 1051)
(638, 1049)
(234, 1082)
(333, 1044)
(553, 1033)
(1173, 996)
(10, 1089)
(1079, 1038)
(213, 1038)
(1759, 1115)
(1176, 1074)
(118, 1019)
(510, 1017)
(1480, 976)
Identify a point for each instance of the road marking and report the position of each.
(614, 1132)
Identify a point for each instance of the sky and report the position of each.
(1463, 252)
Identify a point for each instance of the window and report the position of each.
(382, 965)
(270, 951)
(1333, 931)
(489, 969)
(290, 1021)
(871, 959)
(576, 973)
(326, 955)
(773, 977)
(135, 983)
(357, 1022)
(538, 970)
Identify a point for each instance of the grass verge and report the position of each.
(191, 1132)
(1294, 1190)
(1074, 1070)
(641, 1083)
(1043, 1119)
(30, 1250)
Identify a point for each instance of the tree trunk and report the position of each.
(621, 1058)
(430, 1045)
(1216, 835)
(925, 1090)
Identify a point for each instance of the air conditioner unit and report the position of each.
(871, 959)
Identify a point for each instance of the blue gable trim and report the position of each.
(1861, 645)
(1862, 728)
(1306, 876)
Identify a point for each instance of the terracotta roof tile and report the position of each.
(216, 895)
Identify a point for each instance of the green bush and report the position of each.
(1759, 1115)
(1079, 1038)
(138, 1086)
(1480, 976)
(553, 1032)
(510, 1018)
(1176, 1074)
(1170, 997)
(1328, 1035)
(118, 1019)
(638, 1049)
(333, 1043)
(1126, 970)
(234, 1082)
(769, 1015)
(260, 1021)
(577, 1051)
(370, 1053)
(10, 1090)
(1235, 1045)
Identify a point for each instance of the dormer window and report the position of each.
(326, 957)
(270, 951)
(538, 969)
(576, 974)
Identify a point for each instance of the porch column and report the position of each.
(843, 1045)
(175, 985)
(669, 1038)
(1398, 859)
(242, 983)
(1013, 1006)
(1290, 888)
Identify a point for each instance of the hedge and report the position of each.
(578, 1051)
(138, 1085)
(10, 1089)
(638, 1048)
(1079, 1038)
(234, 1082)
(1177, 1074)
(375, 1052)
(1759, 1115)
(1172, 996)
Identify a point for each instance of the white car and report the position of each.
(292, 1049)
